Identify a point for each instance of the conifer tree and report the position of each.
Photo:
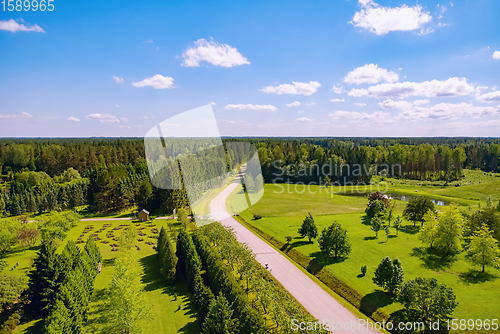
(219, 319)
(15, 209)
(43, 284)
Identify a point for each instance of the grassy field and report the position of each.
(283, 210)
(172, 310)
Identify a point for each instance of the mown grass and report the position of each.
(172, 310)
(478, 294)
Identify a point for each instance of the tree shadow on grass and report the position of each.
(404, 316)
(370, 238)
(476, 276)
(432, 258)
(375, 300)
(300, 243)
(324, 260)
(108, 262)
(152, 278)
(409, 229)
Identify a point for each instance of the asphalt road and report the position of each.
(316, 300)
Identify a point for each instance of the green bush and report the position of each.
(257, 216)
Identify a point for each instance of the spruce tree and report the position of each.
(219, 319)
(15, 209)
(169, 261)
(43, 284)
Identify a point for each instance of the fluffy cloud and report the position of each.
(359, 104)
(73, 119)
(13, 26)
(337, 100)
(118, 79)
(496, 55)
(370, 73)
(435, 88)
(214, 53)
(297, 88)
(304, 119)
(395, 105)
(21, 115)
(213, 103)
(448, 111)
(293, 104)
(157, 82)
(265, 107)
(381, 20)
(490, 97)
(103, 118)
(338, 90)
(378, 116)
(420, 102)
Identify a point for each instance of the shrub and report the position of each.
(257, 216)
(363, 270)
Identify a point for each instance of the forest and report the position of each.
(40, 175)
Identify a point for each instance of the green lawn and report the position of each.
(172, 310)
(479, 297)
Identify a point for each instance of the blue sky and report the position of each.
(117, 68)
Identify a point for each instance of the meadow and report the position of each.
(171, 311)
(283, 208)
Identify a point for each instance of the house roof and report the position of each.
(145, 211)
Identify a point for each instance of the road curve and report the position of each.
(316, 300)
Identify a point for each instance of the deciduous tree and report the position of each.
(334, 241)
(483, 248)
(308, 228)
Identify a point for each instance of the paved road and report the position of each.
(316, 300)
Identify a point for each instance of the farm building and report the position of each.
(143, 216)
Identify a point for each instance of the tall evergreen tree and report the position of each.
(219, 319)
(44, 279)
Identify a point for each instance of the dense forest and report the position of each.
(41, 175)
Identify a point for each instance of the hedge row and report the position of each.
(221, 279)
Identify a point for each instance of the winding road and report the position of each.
(317, 301)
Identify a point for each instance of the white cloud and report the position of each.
(266, 107)
(117, 105)
(118, 79)
(73, 119)
(214, 53)
(124, 119)
(103, 118)
(213, 103)
(435, 88)
(448, 111)
(21, 115)
(157, 82)
(381, 20)
(125, 127)
(13, 26)
(378, 116)
(304, 119)
(310, 103)
(490, 97)
(149, 41)
(420, 102)
(338, 90)
(398, 105)
(337, 100)
(300, 111)
(370, 73)
(496, 55)
(293, 104)
(359, 104)
(297, 88)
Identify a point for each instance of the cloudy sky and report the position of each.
(269, 68)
